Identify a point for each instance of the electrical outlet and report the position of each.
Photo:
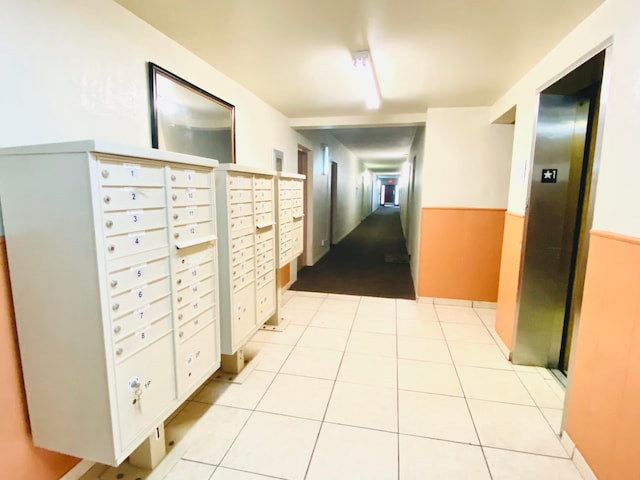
(324, 242)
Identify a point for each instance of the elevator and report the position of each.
(558, 217)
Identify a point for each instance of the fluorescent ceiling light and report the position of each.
(367, 78)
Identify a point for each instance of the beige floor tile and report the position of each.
(464, 315)
(313, 362)
(425, 349)
(305, 301)
(339, 306)
(491, 384)
(478, 355)
(289, 336)
(320, 295)
(267, 356)
(186, 470)
(214, 433)
(368, 370)
(514, 427)
(229, 474)
(341, 296)
(354, 453)
(244, 395)
(377, 306)
(364, 406)
(297, 396)
(342, 321)
(274, 445)
(487, 315)
(287, 295)
(185, 421)
(374, 323)
(436, 416)
(423, 458)
(297, 316)
(540, 390)
(554, 418)
(328, 338)
(460, 332)
(409, 327)
(506, 465)
(372, 344)
(428, 377)
(412, 310)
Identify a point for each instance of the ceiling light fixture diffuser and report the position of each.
(367, 78)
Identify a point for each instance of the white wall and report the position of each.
(411, 212)
(466, 159)
(76, 69)
(616, 22)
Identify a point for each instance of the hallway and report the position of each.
(371, 388)
(356, 265)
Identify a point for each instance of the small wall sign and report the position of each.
(549, 175)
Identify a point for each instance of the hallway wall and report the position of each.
(600, 413)
(465, 182)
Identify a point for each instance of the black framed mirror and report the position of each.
(187, 119)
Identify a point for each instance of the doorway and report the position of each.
(333, 198)
(558, 217)
(303, 168)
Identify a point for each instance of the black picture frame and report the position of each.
(187, 119)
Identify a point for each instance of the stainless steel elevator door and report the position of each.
(550, 234)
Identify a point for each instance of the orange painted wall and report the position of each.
(19, 459)
(285, 275)
(603, 418)
(509, 277)
(460, 253)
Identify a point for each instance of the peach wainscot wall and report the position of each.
(603, 418)
(460, 253)
(509, 277)
(20, 460)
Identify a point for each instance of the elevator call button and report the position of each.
(549, 175)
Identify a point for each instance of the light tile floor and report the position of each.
(370, 388)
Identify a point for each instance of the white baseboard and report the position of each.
(82, 467)
(490, 305)
(425, 300)
(577, 458)
(452, 302)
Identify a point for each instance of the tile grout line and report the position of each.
(464, 395)
(253, 410)
(326, 409)
(397, 392)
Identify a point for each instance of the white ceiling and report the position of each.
(296, 54)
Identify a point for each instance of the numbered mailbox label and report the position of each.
(133, 194)
(136, 239)
(142, 312)
(189, 175)
(143, 334)
(139, 293)
(135, 216)
(192, 229)
(191, 212)
(195, 305)
(191, 193)
(138, 272)
(133, 171)
(194, 272)
(195, 287)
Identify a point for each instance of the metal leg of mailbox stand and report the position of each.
(151, 451)
(277, 321)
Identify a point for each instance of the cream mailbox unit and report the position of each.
(113, 260)
(290, 217)
(247, 252)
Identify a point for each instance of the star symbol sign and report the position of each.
(548, 174)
